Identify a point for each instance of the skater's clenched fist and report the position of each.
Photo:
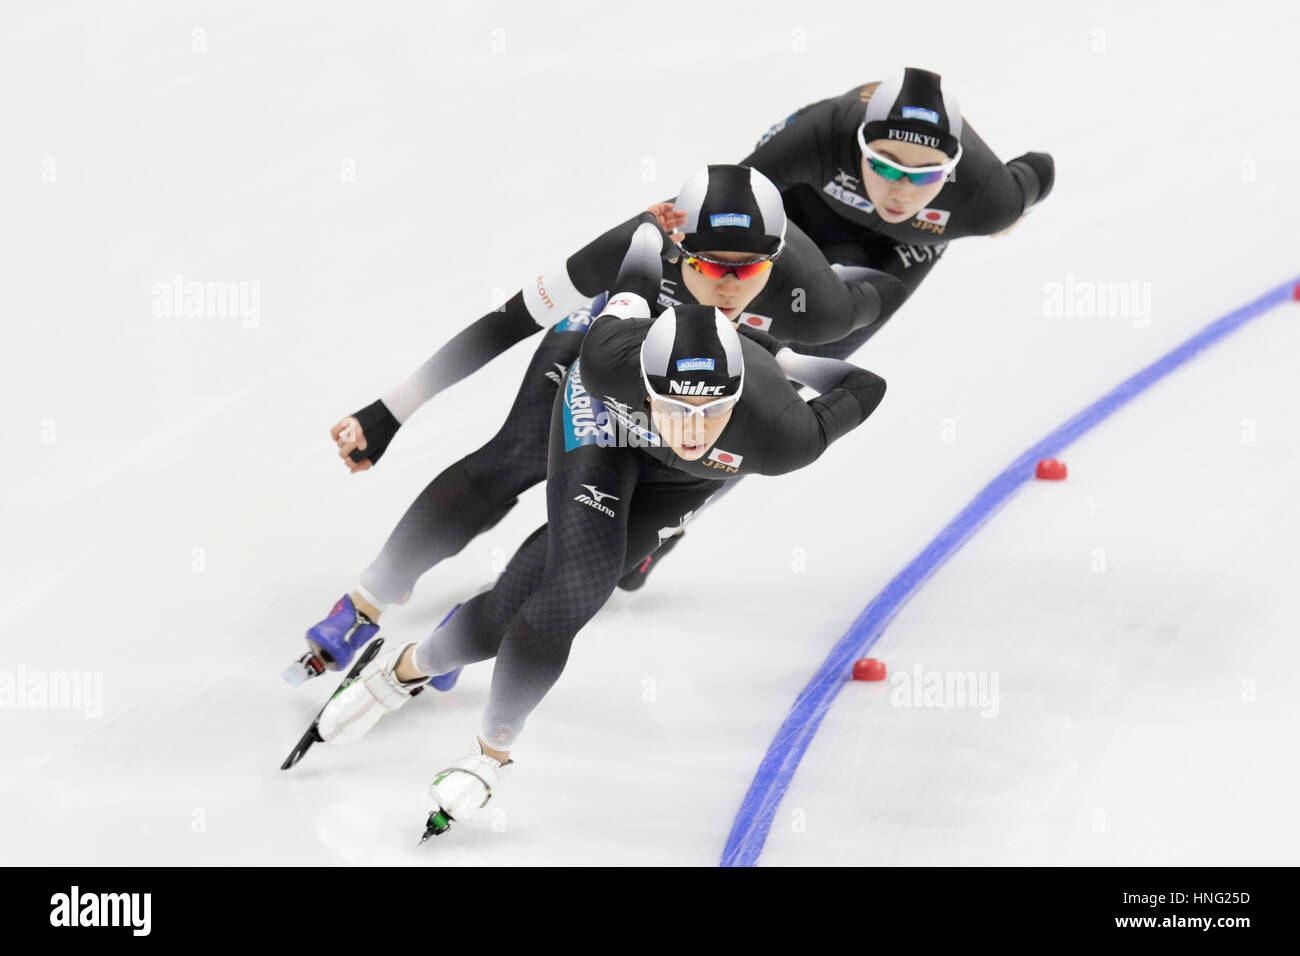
(348, 435)
(363, 437)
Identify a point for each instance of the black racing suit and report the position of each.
(815, 161)
(615, 491)
(804, 300)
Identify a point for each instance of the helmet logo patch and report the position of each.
(729, 219)
(919, 112)
(695, 364)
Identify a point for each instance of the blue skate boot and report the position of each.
(333, 642)
(445, 682)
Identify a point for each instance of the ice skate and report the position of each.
(461, 790)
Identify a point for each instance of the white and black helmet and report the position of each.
(912, 106)
(731, 209)
(692, 350)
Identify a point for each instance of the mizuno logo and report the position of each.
(594, 499)
(597, 494)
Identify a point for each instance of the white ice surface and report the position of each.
(174, 516)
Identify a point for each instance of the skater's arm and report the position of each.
(791, 152)
(821, 374)
(907, 270)
(642, 268)
(364, 436)
(1013, 189)
(806, 429)
(467, 352)
(835, 299)
(635, 296)
(552, 296)
(824, 375)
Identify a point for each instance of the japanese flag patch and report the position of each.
(937, 217)
(725, 458)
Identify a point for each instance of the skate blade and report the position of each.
(300, 750)
(312, 736)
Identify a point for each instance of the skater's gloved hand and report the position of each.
(362, 438)
(1043, 168)
(670, 220)
(769, 342)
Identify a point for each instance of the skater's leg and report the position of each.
(606, 508)
(474, 632)
(604, 513)
(474, 493)
(586, 551)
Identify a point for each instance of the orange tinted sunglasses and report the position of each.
(716, 269)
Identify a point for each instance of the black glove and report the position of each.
(379, 426)
(1044, 170)
(769, 342)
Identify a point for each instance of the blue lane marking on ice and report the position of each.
(754, 819)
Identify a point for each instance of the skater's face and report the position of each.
(689, 436)
(729, 293)
(900, 200)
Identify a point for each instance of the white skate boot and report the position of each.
(461, 790)
(360, 705)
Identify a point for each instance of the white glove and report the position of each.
(359, 706)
